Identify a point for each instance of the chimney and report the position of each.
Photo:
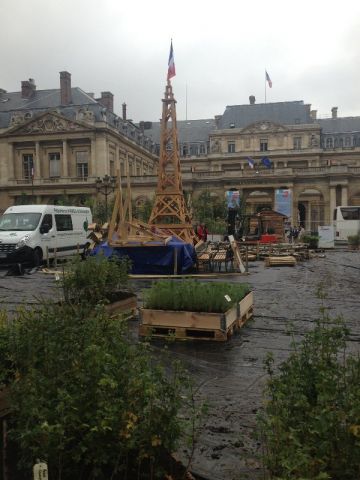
(334, 112)
(313, 114)
(65, 88)
(142, 126)
(124, 111)
(252, 99)
(217, 120)
(107, 100)
(28, 88)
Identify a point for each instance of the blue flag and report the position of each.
(267, 162)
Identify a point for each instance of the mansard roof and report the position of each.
(340, 125)
(284, 113)
(43, 100)
(191, 131)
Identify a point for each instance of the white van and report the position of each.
(26, 231)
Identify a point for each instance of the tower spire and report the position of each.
(170, 211)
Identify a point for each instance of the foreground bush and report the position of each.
(193, 296)
(83, 399)
(311, 421)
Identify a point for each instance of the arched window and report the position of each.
(341, 142)
(336, 143)
(329, 142)
(348, 142)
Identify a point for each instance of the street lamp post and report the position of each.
(105, 186)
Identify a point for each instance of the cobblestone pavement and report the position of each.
(230, 376)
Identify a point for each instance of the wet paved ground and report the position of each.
(230, 376)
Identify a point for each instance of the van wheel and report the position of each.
(37, 257)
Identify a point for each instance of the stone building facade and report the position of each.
(56, 143)
(318, 159)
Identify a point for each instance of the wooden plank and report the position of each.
(171, 318)
(237, 255)
(278, 261)
(182, 333)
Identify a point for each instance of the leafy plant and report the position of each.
(83, 398)
(311, 240)
(211, 211)
(354, 239)
(193, 296)
(143, 210)
(95, 279)
(311, 419)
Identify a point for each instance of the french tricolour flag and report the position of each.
(250, 162)
(171, 64)
(268, 79)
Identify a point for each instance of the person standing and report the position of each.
(202, 232)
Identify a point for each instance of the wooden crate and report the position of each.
(126, 306)
(195, 325)
(279, 261)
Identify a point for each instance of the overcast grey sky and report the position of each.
(311, 50)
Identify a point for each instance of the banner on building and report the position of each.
(283, 202)
(232, 199)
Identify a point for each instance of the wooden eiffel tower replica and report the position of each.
(170, 212)
(126, 230)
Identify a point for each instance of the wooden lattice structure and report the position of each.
(170, 212)
(125, 230)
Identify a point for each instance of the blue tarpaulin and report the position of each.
(155, 259)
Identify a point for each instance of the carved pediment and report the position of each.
(48, 123)
(264, 127)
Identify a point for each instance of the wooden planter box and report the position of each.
(123, 302)
(196, 325)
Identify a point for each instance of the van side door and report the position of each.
(65, 234)
(47, 234)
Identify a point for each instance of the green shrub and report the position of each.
(95, 279)
(83, 398)
(193, 296)
(354, 239)
(311, 420)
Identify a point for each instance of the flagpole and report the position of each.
(186, 100)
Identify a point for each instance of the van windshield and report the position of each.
(19, 221)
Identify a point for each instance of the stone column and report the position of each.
(344, 195)
(309, 213)
(11, 162)
(65, 171)
(93, 171)
(117, 162)
(332, 200)
(37, 161)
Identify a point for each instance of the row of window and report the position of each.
(82, 165)
(330, 142)
(263, 145)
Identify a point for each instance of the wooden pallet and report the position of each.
(195, 325)
(280, 261)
